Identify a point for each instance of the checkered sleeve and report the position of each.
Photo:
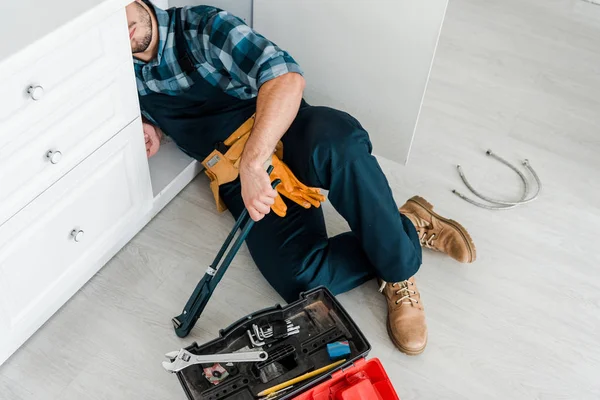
(244, 54)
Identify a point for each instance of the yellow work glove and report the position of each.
(292, 188)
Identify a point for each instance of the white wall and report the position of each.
(240, 8)
(370, 58)
(164, 4)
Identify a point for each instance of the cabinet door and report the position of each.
(57, 242)
(370, 58)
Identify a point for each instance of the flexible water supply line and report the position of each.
(501, 204)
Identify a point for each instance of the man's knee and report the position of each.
(339, 137)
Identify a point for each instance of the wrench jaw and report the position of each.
(175, 365)
(179, 360)
(169, 366)
(183, 324)
(172, 355)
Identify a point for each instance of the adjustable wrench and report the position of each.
(182, 359)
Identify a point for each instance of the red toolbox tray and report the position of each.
(365, 380)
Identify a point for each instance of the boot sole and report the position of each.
(461, 229)
(399, 346)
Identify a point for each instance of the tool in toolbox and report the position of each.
(300, 378)
(338, 350)
(277, 394)
(273, 333)
(182, 359)
(184, 322)
(298, 367)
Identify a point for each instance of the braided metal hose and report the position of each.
(501, 204)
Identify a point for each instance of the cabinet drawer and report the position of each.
(64, 232)
(64, 71)
(36, 158)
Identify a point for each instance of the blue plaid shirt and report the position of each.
(227, 53)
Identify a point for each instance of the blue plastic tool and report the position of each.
(337, 350)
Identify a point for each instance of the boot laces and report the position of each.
(403, 290)
(427, 241)
(422, 230)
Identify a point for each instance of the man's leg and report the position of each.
(329, 149)
(295, 254)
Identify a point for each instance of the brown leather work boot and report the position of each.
(406, 316)
(439, 233)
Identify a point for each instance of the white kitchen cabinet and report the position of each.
(55, 244)
(75, 183)
(370, 58)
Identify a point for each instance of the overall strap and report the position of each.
(183, 55)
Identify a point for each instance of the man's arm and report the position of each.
(263, 68)
(277, 105)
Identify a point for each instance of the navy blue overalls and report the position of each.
(324, 148)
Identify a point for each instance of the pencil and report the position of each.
(301, 378)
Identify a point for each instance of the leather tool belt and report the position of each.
(222, 166)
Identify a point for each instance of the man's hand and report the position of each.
(152, 136)
(257, 193)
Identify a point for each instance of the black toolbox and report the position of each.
(321, 319)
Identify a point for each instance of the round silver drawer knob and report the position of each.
(54, 156)
(36, 92)
(77, 235)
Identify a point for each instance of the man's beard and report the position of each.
(145, 22)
